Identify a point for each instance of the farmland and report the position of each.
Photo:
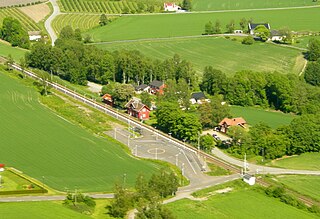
(172, 25)
(206, 5)
(6, 49)
(223, 54)
(52, 148)
(244, 203)
(81, 21)
(255, 115)
(5, 3)
(27, 22)
(306, 161)
(307, 185)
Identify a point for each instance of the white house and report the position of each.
(198, 98)
(251, 180)
(34, 35)
(276, 35)
(169, 6)
(142, 88)
(1, 167)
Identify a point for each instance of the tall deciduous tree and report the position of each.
(186, 5)
(230, 26)
(313, 49)
(103, 20)
(217, 27)
(312, 73)
(243, 24)
(262, 32)
(208, 28)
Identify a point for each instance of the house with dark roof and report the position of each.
(226, 123)
(137, 109)
(198, 98)
(252, 26)
(142, 88)
(157, 87)
(275, 35)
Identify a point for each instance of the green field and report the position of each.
(41, 143)
(206, 5)
(306, 161)
(255, 115)
(81, 21)
(39, 210)
(26, 22)
(16, 53)
(245, 204)
(171, 25)
(223, 54)
(307, 185)
(11, 182)
(303, 41)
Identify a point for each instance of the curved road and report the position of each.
(48, 26)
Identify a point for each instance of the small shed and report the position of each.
(2, 167)
(34, 35)
(107, 98)
(251, 180)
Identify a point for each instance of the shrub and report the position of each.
(248, 40)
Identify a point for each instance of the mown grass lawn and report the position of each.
(307, 185)
(16, 53)
(244, 203)
(41, 143)
(306, 161)
(205, 5)
(171, 25)
(255, 115)
(224, 54)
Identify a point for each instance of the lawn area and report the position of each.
(255, 115)
(39, 210)
(206, 5)
(172, 25)
(307, 185)
(11, 182)
(41, 143)
(6, 49)
(244, 203)
(227, 55)
(306, 161)
(303, 41)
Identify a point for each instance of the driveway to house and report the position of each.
(48, 22)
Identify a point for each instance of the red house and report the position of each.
(107, 98)
(137, 109)
(2, 167)
(157, 87)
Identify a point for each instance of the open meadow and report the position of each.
(6, 49)
(244, 203)
(306, 161)
(52, 149)
(306, 185)
(207, 5)
(223, 54)
(172, 25)
(255, 115)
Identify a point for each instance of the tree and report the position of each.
(219, 110)
(206, 115)
(9, 62)
(313, 49)
(262, 32)
(213, 81)
(146, 99)
(67, 33)
(243, 24)
(248, 40)
(186, 5)
(77, 34)
(23, 64)
(217, 27)
(287, 33)
(231, 26)
(122, 202)
(208, 28)
(207, 142)
(312, 73)
(103, 20)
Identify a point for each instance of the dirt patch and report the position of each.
(4, 3)
(221, 191)
(36, 12)
(93, 87)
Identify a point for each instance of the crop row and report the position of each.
(27, 23)
(108, 7)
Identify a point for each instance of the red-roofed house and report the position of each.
(137, 109)
(2, 167)
(107, 98)
(169, 6)
(226, 123)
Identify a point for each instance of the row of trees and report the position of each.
(216, 28)
(13, 32)
(147, 196)
(312, 73)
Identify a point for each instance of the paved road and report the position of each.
(48, 26)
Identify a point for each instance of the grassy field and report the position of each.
(159, 26)
(223, 54)
(303, 41)
(255, 115)
(307, 185)
(11, 182)
(41, 143)
(39, 210)
(6, 49)
(26, 21)
(81, 21)
(306, 161)
(244, 203)
(206, 5)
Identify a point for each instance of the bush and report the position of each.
(275, 192)
(248, 40)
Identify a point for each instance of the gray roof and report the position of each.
(275, 33)
(141, 87)
(198, 96)
(247, 176)
(156, 83)
(252, 26)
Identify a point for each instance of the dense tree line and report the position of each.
(312, 72)
(13, 32)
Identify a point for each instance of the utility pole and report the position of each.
(177, 159)
(245, 164)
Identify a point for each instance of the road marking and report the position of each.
(189, 162)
